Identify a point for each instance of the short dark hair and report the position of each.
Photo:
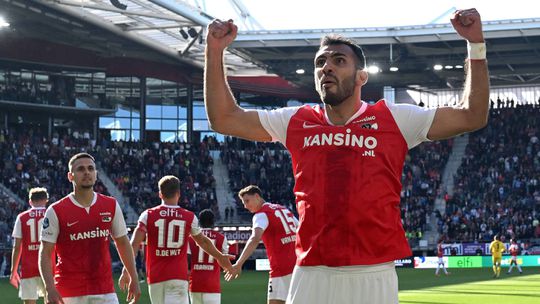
(335, 39)
(497, 237)
(251, 189)
(38, 194)
(206, 218)
(169, 185)
(79, 156)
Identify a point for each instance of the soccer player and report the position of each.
(347, 160)
(204, 278)
(514, 251)
(167, 228)
(26, 244)
(276, 226)
(496, 248)
(80, 226)
(440, 263)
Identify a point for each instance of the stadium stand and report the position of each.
(498, 191)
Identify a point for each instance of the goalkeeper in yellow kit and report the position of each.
(496, 248)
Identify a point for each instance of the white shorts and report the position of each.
(278, 287)
(205, 298)
(344, 285)
(169, 292)
(441, 261)
(108, 298)
(31, 288)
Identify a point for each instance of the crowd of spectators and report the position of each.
(136, 167)
(421, 178)
(267, 165)
(497, 187)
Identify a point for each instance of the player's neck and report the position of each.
(169, 202)
(84, 196)
(340, 114)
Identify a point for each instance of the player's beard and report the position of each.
(344, 90)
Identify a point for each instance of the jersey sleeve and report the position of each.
(225, 246)
(195, 229)
(118, 225)
(260, 220)
(143, 220)
(17, 228)
(413, 121)
(51, 227)
(275, 122)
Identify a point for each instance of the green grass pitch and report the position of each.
(463, 286)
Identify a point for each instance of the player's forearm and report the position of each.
(15, 257)
(251, 245)
(127, 256)
(45, 266)
(218, 99)
(476, 93)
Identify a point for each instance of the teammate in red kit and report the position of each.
(26, 244)
(79, 227)
(204, 278)
(440, 262)
(167, 228)
(514, 251)
(276, 226)
(347, 159)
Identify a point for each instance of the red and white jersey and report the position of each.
(27, 226)
(279, 225)
(205, 270)
(514, 250)
(440, 251)
(82, 237)
(348, 179)
(167, 236)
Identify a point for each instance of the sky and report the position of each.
(319, 14)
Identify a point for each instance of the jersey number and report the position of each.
(169, 234)
(202, 254)
(34, 228)
(287, 219)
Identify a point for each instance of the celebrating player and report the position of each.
(347, 160)
(440, 263)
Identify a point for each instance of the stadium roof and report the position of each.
(145, 39)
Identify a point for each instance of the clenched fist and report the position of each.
(220, 34)
(468, 25)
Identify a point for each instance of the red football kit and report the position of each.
(167, 235)
(27, 229)
(82, 236)
(279, 237)
(348, 179)
(205, 270)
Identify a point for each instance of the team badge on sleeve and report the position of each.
(45, 223)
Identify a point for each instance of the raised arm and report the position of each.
(224, 115)
(472, 113)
